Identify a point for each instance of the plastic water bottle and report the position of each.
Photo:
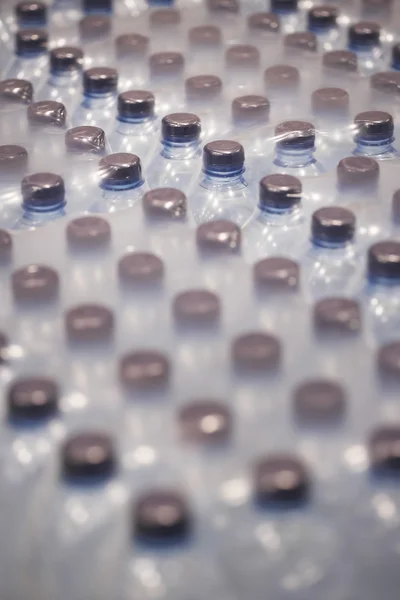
(99, 98)
(322, 20)
(29, 14)
(165, 24)
(136, 126)
(30, 434)
(84, 147)
(15, 95)
(47, 122)
(222, 192)
(205, 44)
(383, 290)
(282, 88)
(131, 50)
(97, 7)
(95, 36)
(262, 28)
(82, 536)
(395, 56)
(13, 167)
(340, 69)
(65, 76)
(294, 150)
(276, 227)
(242, 64)
(43, 200)
(179, 159)
(204, 97)
(288, 13)
(121, 182)
(364, 40)
(166, 80)
(30, 59)
(330, 108)
(375, 135)
(332, 265)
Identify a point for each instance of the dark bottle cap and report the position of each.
(140, 268)
(88, 233)
(332, 226)
(387, 82)
(100, 81)
(374, 126)
(384, 262)
(384, 450)
(364, 35)
(135, 105)
(4, 341)
(197, 307)
(165, 17)
(218, 236)
(89, 323)
(357, 171)
(47, 112)
(282, 77)
(42, 192)
(330, 102)
(223, 157)
(396, 207)
(16, 91)
(279, 192)
(31, 42)
(94, 27)
(205, 36)
(280, 478)
(85, 139)
(295, 134)
(165, 204)
(32, 399)
(256, 351)
(322, 18)
(319, 401)
(396, 56)
(144, 369)
(5, 246)
(205, 422)
(88, 456)
(301, 40)
(250, 110)
(284, 6)
(223, 6)
(276, 273)
(65, 59)
(33, 14)
(161, 516)
(180, 128)
(97, 6)
(337, 315)
(120, 171)
(340, 60)
(203, 87)
(166, 64)
(388, 361)
(131, 45)
(264, 22)
(242, 56)
(35, 283)
(13, 160)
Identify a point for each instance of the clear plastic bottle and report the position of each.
(222, 192)
(166, 75)
(332, 265)
(263, 29)
(136, 126)
(43, 200)
(165, 23)
(29, 14)
(179, 159)
(82, 537)
(283, 88)
(364, 40)
(375, 135)
(13, 167)
(99, 98)
(15, 96)
(242, 67)
(204, 97)
(205, 44)
(47, 121)
(294, 150)
(383, 290)
(121, 182)
(289, 14)
(30, 58)
(395, 57)
(131, 51)
(95, 37)
(65, 77)
(322, 20)
(331, 107)
(276, 227)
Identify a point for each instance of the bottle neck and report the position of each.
(180, 150)
(120, 188)
(373, 148)
(229, 178)
(64, 78)
(294, 157)
(135, 126)
(99, 100)
(279, 216)
(338, 248)
(44, 212)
